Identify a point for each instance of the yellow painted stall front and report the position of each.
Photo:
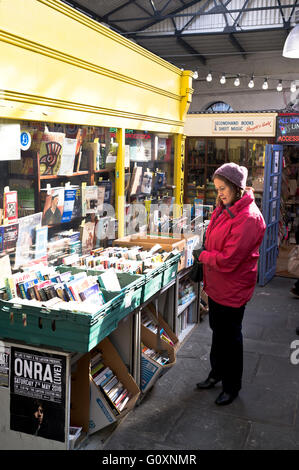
(60, 66)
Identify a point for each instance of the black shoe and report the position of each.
(225, 398)
(295, 292)
(210, 382)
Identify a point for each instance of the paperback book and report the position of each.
(69, 202)
(26, 236)
(53, 205)
(68, 157)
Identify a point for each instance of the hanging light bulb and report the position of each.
(251, 83)
(265, 84)
(293, 87)
(279, 86)
(223, 79)
(237, 80)
(209, 77)
(195, 75)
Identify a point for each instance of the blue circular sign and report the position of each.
(25, 140)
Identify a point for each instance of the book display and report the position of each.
(205, 154)
(149, 179)
(68, 282)
(72, 133)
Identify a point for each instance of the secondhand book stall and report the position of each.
(91, 148)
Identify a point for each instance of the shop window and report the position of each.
(256, 152)
(220, 107)
(196, 163)
(237, 151)
(216, 151)
(149, 177)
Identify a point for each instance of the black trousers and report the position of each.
(226, 354)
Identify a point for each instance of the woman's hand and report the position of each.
(196, 253)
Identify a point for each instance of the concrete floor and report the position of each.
(176, 416)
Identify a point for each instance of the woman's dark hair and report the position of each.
(238, 192)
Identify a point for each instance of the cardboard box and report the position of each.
(101, 413)
(90, 407)
(150, 369)
(151, 309)
(147, 242)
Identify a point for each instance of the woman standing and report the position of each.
(230, 256)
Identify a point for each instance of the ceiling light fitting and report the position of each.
(265, 84)
(279, 86)
(251, 83)
(291, 45)
(209, 77)
(293, 87)
(237, 81)
(223, 79)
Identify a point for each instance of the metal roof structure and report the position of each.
(189, 31)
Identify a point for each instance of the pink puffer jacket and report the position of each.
(232, 250)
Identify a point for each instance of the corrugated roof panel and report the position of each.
(163, 48)
(101, 8)
(262, 16)
(210, 44)
(269, 40)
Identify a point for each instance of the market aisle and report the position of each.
(174, 415)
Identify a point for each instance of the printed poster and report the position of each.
(37, 393)
(4, 365)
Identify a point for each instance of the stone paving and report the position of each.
(174, 415)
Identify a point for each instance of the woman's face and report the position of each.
(225, 193)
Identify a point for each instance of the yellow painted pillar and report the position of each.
(179, 162)
(120, 182)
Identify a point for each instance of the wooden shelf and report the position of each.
(71, 175)
(186, 331)
(104, 170)
(183, 307)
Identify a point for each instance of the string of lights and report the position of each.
(249, 79)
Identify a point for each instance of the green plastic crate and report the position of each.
(132, 287)
(153, 282)
(171, 269)
(61, 329)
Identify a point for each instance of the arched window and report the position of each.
(220, 107)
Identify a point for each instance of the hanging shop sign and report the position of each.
(287, 128)
(37, 393)
(260, 125)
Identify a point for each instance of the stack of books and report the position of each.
(149, 322)
(133, 260)
(161, 358)
(51, 287)
(115, 392)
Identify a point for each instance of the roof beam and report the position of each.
(191, 50)
(237, 45)
(157, 20)
(100, 19)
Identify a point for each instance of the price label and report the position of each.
(128, 299)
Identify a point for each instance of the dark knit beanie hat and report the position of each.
(234, 173)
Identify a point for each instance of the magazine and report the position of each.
(50, 152)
